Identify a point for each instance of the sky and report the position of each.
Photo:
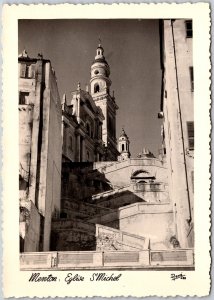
(131, 48)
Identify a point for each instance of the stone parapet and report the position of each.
(145, 259)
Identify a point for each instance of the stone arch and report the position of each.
(141, 171)
(142, 175)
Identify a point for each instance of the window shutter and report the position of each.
(189, 29)
(190, 130)
(32, 71)
(191, 78)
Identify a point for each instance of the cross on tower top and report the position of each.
(99, 39)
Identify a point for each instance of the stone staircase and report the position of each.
(78, 230)
(79, 235)
(95, 223)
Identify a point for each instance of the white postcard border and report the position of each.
(131, 283)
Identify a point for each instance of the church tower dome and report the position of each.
(100, 71)
(100, 92)
(123, 146)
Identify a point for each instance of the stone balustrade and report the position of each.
(109, 167)
(119, 240)
(145, 259)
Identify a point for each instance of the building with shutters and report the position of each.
(39, 162)
(177, 111)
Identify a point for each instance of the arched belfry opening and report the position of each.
(96, 88)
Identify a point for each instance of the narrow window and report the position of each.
(71, 143)
(189, 33)
(88, 129)
(190, 131)
(31, 71)
(191, 78)
(23, 70)
(27, 73)
(23, 98)
(122, 147)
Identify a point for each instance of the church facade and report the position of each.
(89, 119)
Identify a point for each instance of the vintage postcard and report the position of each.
(106, 150)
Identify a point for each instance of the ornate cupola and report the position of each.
(100, 92)
(100, 71)
(123, 146)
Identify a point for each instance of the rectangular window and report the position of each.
(189, 33)
(23, 98)
(191, 78)
(23, 70)
(190, 131)
(27, 71)
(31, 71)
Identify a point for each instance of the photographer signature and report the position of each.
(178, 276)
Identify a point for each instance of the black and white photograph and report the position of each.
(109, 133)
(106, 114)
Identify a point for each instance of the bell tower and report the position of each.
(123, 146)
(100, 92)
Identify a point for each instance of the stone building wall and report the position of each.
(121, 173)
(25, 132)
(40, 145)
(51, 155)
(178, 109)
